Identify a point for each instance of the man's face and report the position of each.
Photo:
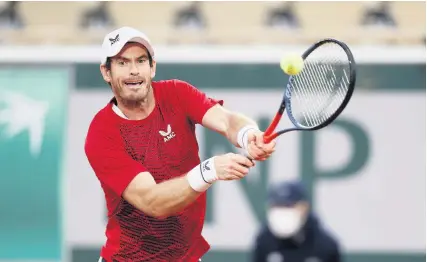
(130, 74)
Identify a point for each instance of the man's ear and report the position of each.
(153, 70)
(106, 74)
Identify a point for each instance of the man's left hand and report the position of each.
(257, 149)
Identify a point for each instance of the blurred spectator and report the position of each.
(97, 17)
(190, 17)
(9, 16)
(293, 233)
(282, 16)
(378, 14)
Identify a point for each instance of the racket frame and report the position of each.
(286, 100)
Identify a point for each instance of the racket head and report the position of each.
(350, 67)
(319, 66)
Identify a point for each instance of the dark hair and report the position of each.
(150, 60)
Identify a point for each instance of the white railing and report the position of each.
(206, 54)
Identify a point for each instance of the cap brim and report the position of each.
(137, 39)
(143, 42)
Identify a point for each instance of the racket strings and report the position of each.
(320, 88)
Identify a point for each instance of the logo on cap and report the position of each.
(115, 39)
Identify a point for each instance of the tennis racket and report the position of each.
(316, 96)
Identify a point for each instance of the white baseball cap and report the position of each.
(116, 40)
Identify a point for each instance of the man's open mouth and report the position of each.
(134, 84)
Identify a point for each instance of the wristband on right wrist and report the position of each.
(203, 175)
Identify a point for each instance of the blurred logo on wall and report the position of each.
(32, 123)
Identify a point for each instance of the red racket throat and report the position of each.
(268, 136)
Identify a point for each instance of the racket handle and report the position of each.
(245, 154)
(266, 139)
(269, 138)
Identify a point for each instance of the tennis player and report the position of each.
(143, 149)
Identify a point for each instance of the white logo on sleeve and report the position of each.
(168, 135)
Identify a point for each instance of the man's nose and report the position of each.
(134, 70)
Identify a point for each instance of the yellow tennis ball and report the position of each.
(292, 64)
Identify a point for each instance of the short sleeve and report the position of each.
(109, 160)
(195, 102)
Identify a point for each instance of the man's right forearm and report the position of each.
(170, 197)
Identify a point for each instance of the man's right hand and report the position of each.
(232, 166)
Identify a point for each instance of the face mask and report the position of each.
(284, 222)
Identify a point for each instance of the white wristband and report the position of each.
(203, 175)
(242, 136)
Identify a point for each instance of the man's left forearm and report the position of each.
(227, 123)
(240, 130)
(236, 122)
